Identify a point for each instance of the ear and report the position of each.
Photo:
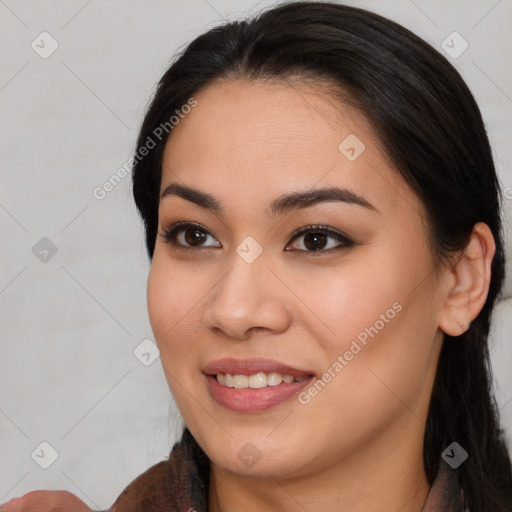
(468, 282)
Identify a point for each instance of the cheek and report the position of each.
(161, 306)
(173, 300)
(349, 298)
(173, 306)
(373, 313)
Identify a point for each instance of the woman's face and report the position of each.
(356, 316)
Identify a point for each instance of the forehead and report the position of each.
(253, 141)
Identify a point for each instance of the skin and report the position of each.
(358, 443)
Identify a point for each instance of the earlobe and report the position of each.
(469, 282)
(464, 327)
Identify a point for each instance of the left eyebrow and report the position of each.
(279, 206)
(296, 200)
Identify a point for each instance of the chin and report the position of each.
(255, 457)
(260, 469)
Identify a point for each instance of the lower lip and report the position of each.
(253, 400)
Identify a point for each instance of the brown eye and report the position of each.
(316, 240)
(186, 235)
(194, 236)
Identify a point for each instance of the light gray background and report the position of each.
(69, 326)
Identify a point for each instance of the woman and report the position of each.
(322, 215)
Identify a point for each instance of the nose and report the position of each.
(248, 298)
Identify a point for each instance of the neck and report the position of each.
(383, 475)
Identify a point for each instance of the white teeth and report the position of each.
(259, 380)
(255, 381)
(274, 379)
(240, 381)
(228, 380)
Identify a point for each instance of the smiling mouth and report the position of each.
(256, 380)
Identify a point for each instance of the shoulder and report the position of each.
(180, 481)
(149, 492)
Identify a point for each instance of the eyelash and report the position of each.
(169, 236)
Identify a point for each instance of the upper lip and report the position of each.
(252, 366)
